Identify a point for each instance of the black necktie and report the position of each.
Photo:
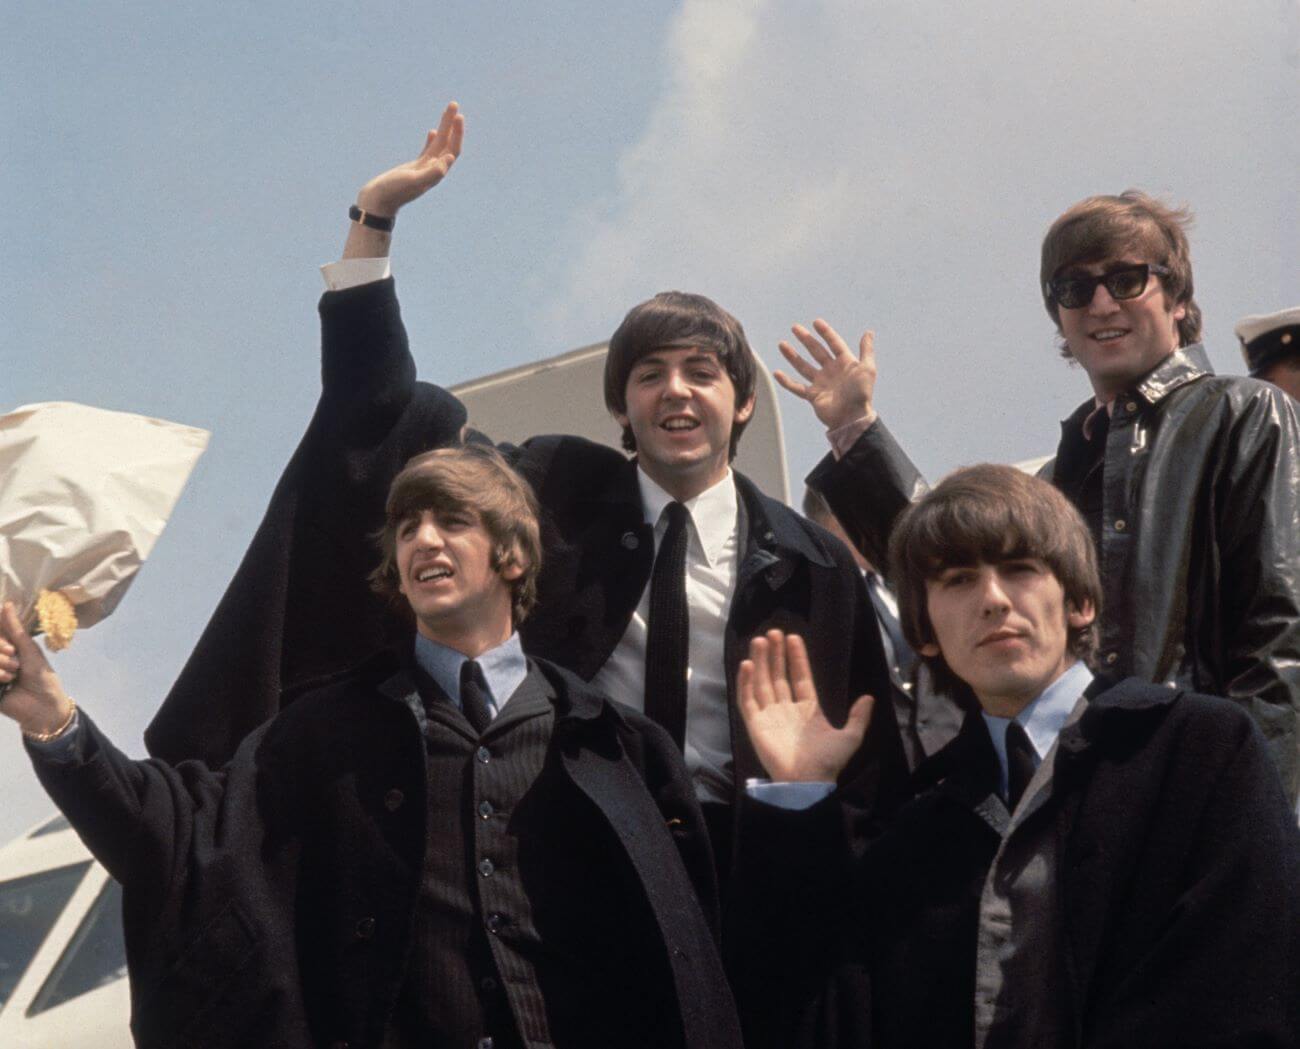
(474, 696)
(668, 643)
(903, 655)
(1020, 763)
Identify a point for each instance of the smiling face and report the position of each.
(1003, 628)
(681, 408)
(1118, 341)
(444, 567)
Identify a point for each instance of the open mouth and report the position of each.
(1109, 334)
(679, 424)
(432, 574)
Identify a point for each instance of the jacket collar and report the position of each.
(1186, 364)
(967, 768)
(1111, 704)
(776, 526)
(772, 525)
(397, 678)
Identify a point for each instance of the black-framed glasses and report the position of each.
(1127, 282)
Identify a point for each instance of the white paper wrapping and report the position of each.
(84, 495)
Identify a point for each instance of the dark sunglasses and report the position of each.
(1073, 293)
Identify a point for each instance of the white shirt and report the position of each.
(712, 559)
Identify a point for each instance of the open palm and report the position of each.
(789, 731)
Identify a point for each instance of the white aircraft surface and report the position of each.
(62, 960)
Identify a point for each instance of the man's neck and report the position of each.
(471, 639)
(686, 486)
(1008, 705)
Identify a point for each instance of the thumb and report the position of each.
(860, 716)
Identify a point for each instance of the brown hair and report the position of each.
(1101, 226)
(677, 320)
(990, 513)
(471, 478)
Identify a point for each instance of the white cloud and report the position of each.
(896, 164)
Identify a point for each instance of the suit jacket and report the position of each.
(1179, 891)
(271, 903)
(311, 556)
(792, 575)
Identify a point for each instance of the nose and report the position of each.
(993, 598)
(1102, 302)
(428, 536)
(675, 384)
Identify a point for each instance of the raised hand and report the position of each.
(839, 385)
(778, 702)
(386, 194)
(35, 697)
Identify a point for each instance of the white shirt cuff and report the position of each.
(352, 273)
(794, 796)
(842, 438)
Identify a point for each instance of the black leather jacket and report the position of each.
(1200, 536)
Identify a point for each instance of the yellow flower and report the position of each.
(58, 620)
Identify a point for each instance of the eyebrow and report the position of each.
(698, 356)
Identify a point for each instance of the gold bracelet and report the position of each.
(50, 737)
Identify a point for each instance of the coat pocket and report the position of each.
(183, 1004)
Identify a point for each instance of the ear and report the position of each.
(511, 569)
(621, 419)
(1078, 618)
(1180, 311)
(745, 410)
(929, 650)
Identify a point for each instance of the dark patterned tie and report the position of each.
(474, 696)
(1020, 763)
(668, 644)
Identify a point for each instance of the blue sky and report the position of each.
(174, 173)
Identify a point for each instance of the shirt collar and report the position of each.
(504, 667)
(713, 512)
(1044, 716)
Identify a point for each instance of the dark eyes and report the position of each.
(703, 374)
(448, 523)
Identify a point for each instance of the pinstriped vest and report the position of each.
(530, 930)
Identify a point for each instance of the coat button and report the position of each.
(1131, 407)
(630, 541)
(485, 809)
(485, 1043)
(486, 867)
(1112, 658)
(393, 800)
(494, 923)
(483, 755)
(365, 928)
(487, 984)
(1120, 525)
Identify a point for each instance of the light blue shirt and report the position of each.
(504, 669)
(1043, 718)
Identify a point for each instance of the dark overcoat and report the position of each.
(1179, 892)
(271, 903)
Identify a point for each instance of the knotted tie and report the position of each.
(474, 696)
(1021, 763)
(668, 643)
